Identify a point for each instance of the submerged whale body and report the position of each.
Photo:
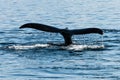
(67, 34)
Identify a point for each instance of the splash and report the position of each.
(83, 47)
(44, 46)
(87, 42)
(83, 42)
(19, 47)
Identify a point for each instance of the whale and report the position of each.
(66, 33)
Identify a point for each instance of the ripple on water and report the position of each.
(26, 55)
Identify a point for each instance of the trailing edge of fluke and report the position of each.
(66, 33)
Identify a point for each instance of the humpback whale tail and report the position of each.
(67, 34)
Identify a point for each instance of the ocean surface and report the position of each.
(26, 54)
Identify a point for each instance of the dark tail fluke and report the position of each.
(87, 31)
(67, 34)
(41, 27)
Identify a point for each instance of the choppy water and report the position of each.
(27, 55)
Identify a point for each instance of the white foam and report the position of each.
(83, 47)
(71, 47)
(28, 46)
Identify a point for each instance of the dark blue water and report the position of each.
(25, 54)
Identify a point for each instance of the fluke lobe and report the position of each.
(66, 33)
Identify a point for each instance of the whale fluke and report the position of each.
(67, 34)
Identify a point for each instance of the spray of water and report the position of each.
(81, 42)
